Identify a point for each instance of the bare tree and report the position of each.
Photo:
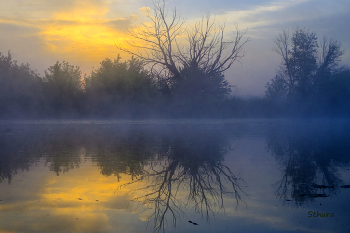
(282, 48)
(163, 45)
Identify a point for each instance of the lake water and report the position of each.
(258, 175)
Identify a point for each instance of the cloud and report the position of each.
(258, 15)
(44, 6)
(79, 28)
(121, 24)
(145, 10)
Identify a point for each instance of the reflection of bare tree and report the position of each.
(184, 165)
(310, 161)
(192, 167)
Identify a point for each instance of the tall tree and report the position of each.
(308, 74)
(304, 60)
(179, 53)
(299, 63)
(329, 58)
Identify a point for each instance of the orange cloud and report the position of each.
(76, 30)
(83, 31)
(89, 37)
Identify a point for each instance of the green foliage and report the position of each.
(309, 80)
(196, 92)
(196, 84)
(63, 88)
(336, 98)
(277, 89)
(20, 90)
(303, 63)
(64, 77)
(298, 65)
(122, 87)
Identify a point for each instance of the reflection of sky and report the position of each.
(40, 201)
(84, 32)
(266, 213)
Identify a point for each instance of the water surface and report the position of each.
(259, 175)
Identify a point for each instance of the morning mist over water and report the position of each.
(174, 116)
(175, 175)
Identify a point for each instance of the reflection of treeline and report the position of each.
(23, 146)
(172, 161)
(17, 152)
(116, 149)
(311, 158)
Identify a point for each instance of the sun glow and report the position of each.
(89, 39)
(82, 31)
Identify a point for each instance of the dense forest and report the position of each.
(309, 82)
(175, 76)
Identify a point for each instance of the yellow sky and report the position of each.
(84, 32)
(79, 31)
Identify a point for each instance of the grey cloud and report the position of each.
(22, 25)
(120, 24)
(57, 5)
(8, 27)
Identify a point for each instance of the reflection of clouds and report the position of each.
(78, 221)
(265, 214)
(56, 207)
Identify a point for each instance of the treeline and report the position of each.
(309, 82)
(122, 89)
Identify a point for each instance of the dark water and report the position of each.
(144, 176)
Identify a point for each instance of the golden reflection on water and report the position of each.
(78, 201)
(92, 179)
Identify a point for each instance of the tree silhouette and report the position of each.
(186, 57)
(63, 88)
(20, 89)
(119, 87)
(299, 62)
(277, 89)
(308, 77)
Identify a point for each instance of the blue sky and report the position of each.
(82, 32)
